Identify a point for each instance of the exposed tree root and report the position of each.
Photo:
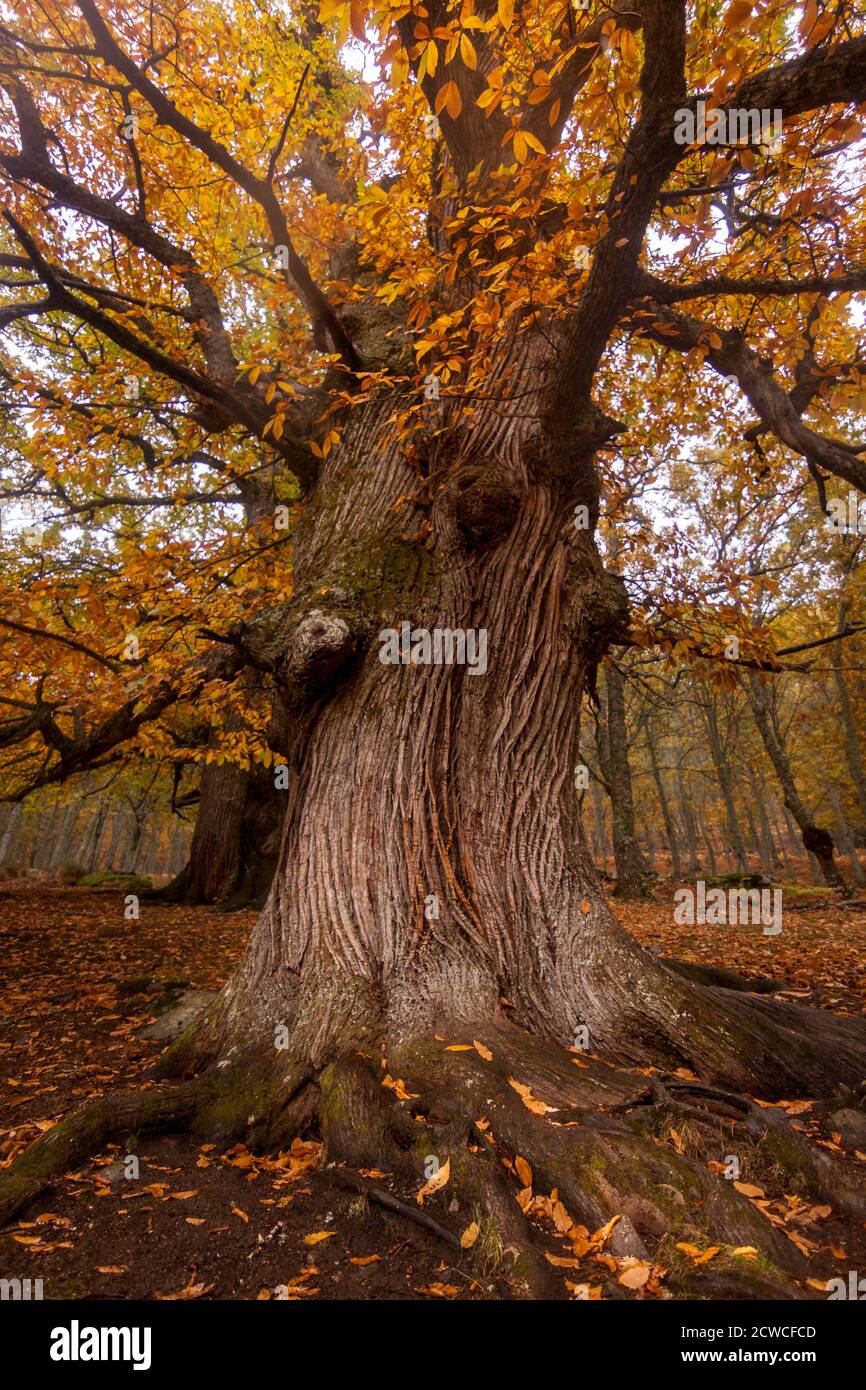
(386, 1199)
(740, 1041)
(100, 1122)
(721, 976)
(544, 1147)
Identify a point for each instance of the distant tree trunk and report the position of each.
(726, 784)
(846, 839)
(708, 842)
(687, 816)
(234, 845)
(849, 728)
(670, 828)
(770, 862)
(775, 824)
(10, 833)
(816, 840)
(631, 867)
(600, 843)
(48, 837)
(60, 850)
(117, 828)
(795, 844)
(92, 837)
(177, 850)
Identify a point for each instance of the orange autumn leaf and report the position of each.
(538, 1107)
(470, 1235)
(434, 1184)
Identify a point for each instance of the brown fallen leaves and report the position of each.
(399, 1088)
(641, 1276)
(190, 1290)
(294, 1290)
(702, 1257)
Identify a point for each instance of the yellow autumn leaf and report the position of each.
(523, 1170)
(696, 1255)
(434, 1184)
(737, 12)
(538, 1107)
(533, 142)
(467, 52)
(636, 1274)
(429, 59)
(398, 1087)
(356, 18)
(470, 1235)
(749, 1189)
(450, 100)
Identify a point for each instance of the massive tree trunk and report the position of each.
(434, 885)
(432, 859)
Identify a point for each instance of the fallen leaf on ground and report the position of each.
(438, 1180)
(695, 1254)
(470, 1235)
(190, 1290)
(538, 1107)
(523, 1170)
(399, 1088)
(635, 1274)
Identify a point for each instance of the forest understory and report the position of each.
(218, 1220)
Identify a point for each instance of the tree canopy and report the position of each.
(227, 227)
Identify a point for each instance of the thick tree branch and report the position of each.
(734, 359)
(260, 190)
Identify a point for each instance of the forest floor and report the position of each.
(79, 982)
